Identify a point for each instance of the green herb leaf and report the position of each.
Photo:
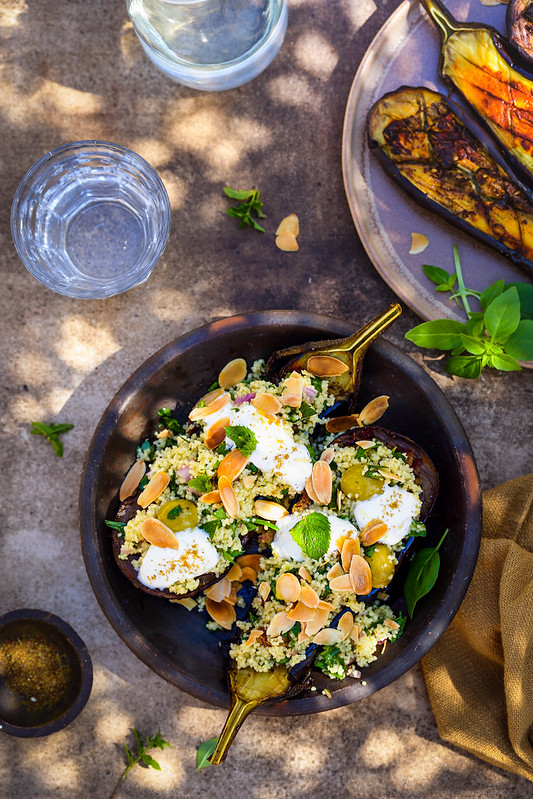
(231, 554)
(525, 293)
(243, 438)
(417, 529)
(503, 315)
(441, 334)
(169, 422)
(473, 345)
(438, 275)
(142, 756)
(210, 527)
(306, 410)
(52, 432)
(468, 366)
(201, 483)
(204, 752)
(490, 293)
(422, 574)
(243, 212)
(174, 512)
(520, 343)
(148, 760)
(239, 194)
(115, 525)
(505, 363)
(312, 534)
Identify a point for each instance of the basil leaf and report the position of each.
(422, 574)
(473, 345)
(438, 275)
(505, 363)
(475, 326)
(201, 483)
(243, 438)
(312, 534)
(490, 293)
(520, 343)
(204, 752)
(441, 334)
(525, 293)
(468, 366)
(503, 315)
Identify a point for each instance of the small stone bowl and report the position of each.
(20, 718)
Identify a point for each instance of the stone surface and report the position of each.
(75, 70)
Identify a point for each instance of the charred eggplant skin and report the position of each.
(519, 21)
(424, 146)
(478, 62)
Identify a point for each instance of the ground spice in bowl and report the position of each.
(35, 669)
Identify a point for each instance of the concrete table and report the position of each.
(74, 70)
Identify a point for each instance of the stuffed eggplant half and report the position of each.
(429, 152)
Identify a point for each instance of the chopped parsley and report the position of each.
(168, 421)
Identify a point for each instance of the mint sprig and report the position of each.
(141, 756)
(250, 205)
(312, 534)
(243, 438)
(52, 432)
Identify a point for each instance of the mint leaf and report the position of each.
(243, 212)
(204, 752)
(243, 438)
(174, 512)
(520, 343)
(468, 366)
(169, 422)
(312, 534)
(441, 334)
(503, 315)
(201, 483)
(51, 432)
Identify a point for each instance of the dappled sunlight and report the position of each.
(112, 722)
(382, 747)
(33, 367)
(417, 764)
(308, 758)
(176, 188)
(359, 11)
(155, 151)
(129, 45)
(9, 17)
(170, 305)
(315, 54)
(294, 90)
(23, 407)
(83, 345)
(26, 110)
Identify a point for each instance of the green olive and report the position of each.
(381, 567)
(178, 514)
(356, 485)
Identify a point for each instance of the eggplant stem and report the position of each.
(240, 710)
(442, 18)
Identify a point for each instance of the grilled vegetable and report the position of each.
(426, 148)
(520, 27)
(475, 59)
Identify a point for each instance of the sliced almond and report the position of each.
(219, 590)
(155, 488)
(248, 574)
(355, 633)
(301, 612)
(419, 242)
(211, 498)
(164, 434)
(227, 495)
(325, 366)
(158, 534)
(272, 511)
(234, 573)
(264, 591)
(286, 241)
(360, 576)
(279, 624)
(303, 635)
(293, 388)
(232, 596)
(210, 397)
(390, 475)
(322, 479)
(310, 490)
(132, 480)
(327, 637)
(233, 373)
(248, 480)
(289, 223)
(350, 547)
(374, 410)
(340, 497)
(309, 596)
(216, 434)
(341, 583)
(221, 612)
(319, 619)
(324, 605)
(188, 602)
(338, 424)
(391, 624)
(288, 587)
(345, 625)
(252, 559)
(328, 455)
(335, 571)
(232, 465)
(202, 412)
(372, 532)
(253, 637)
(267, 404)
(304, 574)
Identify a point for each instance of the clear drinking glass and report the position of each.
(91, 219)
(210, 44)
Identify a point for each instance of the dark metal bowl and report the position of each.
(16, 718)
(173, 641)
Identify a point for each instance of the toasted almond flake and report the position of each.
(350, 547)
(293, 388)
(158, 534)
(355, 633)
(391, 624)
(264, 591)
(227, 495)
(233, 373)
(309, 596)
(219, 590)
(286, 241)
(340, 497)
(374, 410)
(327, 637)
(338, 424)
(365, 444)
(202, 412)
(360, 576)
(327, 693)
(288, 587)
(494, 2)
(155, 488)
(267, 404)
(188, 602)
(390, 475)
(210, 397)
(318, 621)
(302, 635)
(254, 636)
(221, 612)
(248, 480)
(232, 465)
(216, 434)
(234, 573)
(323, 605)
(325, 366)
(232, 596)
(211, 498)
(132, 480)
(328, 455)
(322, 480)
(419, 242)
(341, 583)
(279, 624)
(252, 560)
(372, 532)
(248, 574)
(304, 574)
(272, 511)
(301, 612)
(335, 571)
(164, 434)
(289, 223)
(310, 490)
(345, 625)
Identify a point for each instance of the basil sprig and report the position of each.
(422, 574)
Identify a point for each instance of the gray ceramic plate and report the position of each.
(406, 52)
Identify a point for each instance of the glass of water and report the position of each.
(91, 219)
(210, 44)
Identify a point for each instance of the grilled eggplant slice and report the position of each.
(520, 27)
(428, 151)
(475, 59)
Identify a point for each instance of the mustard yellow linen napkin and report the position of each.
(479, 675)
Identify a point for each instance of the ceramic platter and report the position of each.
(406, 52)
